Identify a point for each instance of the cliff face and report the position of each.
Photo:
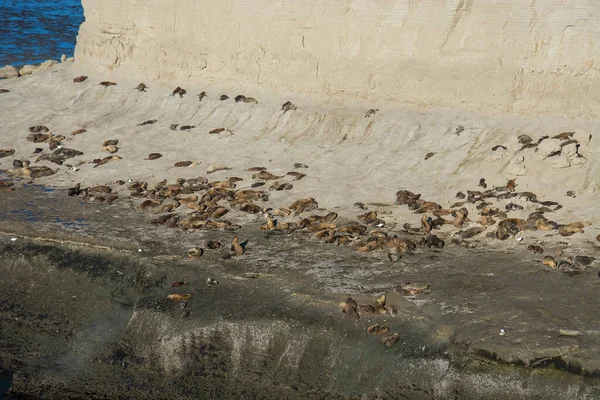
(506, 55)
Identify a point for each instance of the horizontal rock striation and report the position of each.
(520, 56)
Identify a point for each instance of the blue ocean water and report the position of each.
(33, 31)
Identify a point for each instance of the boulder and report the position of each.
(8, 71)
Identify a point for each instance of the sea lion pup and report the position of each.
(482, 183)
(459, 129)
(216, 130)
(370, 112)
(142, 87)
(4, 91)
(183, 164)
(153, 156)
(429, 155)
(79, 79)
(460, 195)
(187, 127)
(107, 84)
(176, 91)
(250, 100)
(239, 98)
(571, 193)
(297, 175)
(181, 93)
(237, 247)
(223, 97)
(287, 106)
(201, 96)
(498, 146)
(173, 127)
(300, 165)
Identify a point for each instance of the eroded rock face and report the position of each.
(492, 55)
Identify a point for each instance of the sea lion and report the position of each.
(571, 193)
(215, 168)
(434, 241)
(459, 129)
(359, 206)
(141, 87)
(4, 91)
(223, 97)
(390, 340)
(549, 261)
(370, 112)
(183, 164)
(107, 84)
(212, 282)
(482, 183)
(111, 148)
(250, 100)
(79, 79)
(300, 165)
(287, 106)
(195, 252)
(469, 233)
(256, 169)
(186, 314)
(429, 155)
(105, 160)
(498, 146)
(153, 156)
(201, 96)
(149, 122)
(264, 175)
(181, 93)
(217, 130)
(176, 90)
(179, 296)
(78, 131)
(425, 223)
(187, 127)
(304, 204)
(173, 127)
(257, 184)
(350, 311)
(460, 195)
(237, 247)
(564, 136)
(297, 175)
(38, 129)
(412, 289)
(30, 172)
(524, 139)
(17, 164)
(239, 98)
(6, 152)
(110, 142)
(511, 185)
(74, 191)
(535, 249)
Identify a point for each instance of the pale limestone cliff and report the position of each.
(537, 56)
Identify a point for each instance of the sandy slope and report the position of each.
(350, 157)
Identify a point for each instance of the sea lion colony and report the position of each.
(202, 204)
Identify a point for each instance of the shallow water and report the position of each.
(34, 31)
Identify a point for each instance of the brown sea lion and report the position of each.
(6, 152)
(482, 183)
(183, 164)
(223, 97)
(4, 91)
(237, 247)
(239, 98)
(153, 156)
(176, 91)
(499, 146)
(429, 155)
(390, 340)
(264, 175)
(217, 130)
(535, 249)
(250, 100)
(549, 261)
(78, 131)
(511, 185)
(287, 106)
(142, 87)
(564, 136)
(149, 122)
(79, 79)
(201, 96)
(107, 84)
